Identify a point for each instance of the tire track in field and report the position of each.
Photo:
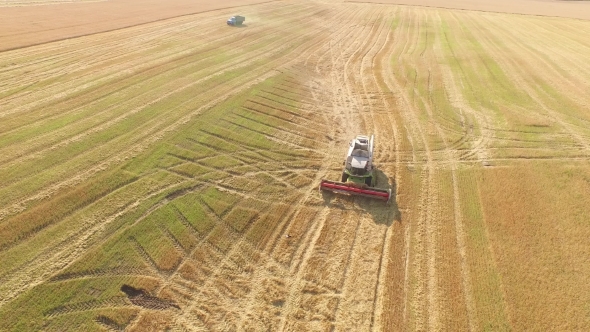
(69, 182)
(360, 294)
(262, 273)
(349, 100)
(396, 237)
(177, 56)
(455, 97)
(311, 239)
(198, 294)
(479, 145)
(395, 102)
(425, 297)
(170, 286)
(416, 260)
(57, 257)
(273, 241)
(318, 251)
(373, 85)
(23, 279)
(302, 259)
(212, 72)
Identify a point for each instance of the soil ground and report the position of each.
(165, 176)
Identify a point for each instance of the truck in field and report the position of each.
(236, 20)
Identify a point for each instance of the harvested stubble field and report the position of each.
(164, 176)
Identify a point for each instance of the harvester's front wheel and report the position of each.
(344, 177)
(368, 181)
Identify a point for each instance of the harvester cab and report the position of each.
(358, 176)
(359, 161)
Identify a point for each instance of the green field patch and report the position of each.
(182, 234)
(57, 156)
(240, 217)
(485, 278)
(51, 306)
(190, 169)
(148, 231)
(57, 208)
(244, 134)
(279, 155)
(304, 164)
(245, 169)
(257, 121)
(194, 213)
(264, 178)
(160, 77)
(198, 150)
(220, 162)
(471, 65)
(140, 224)
(252, 157)
(218, 201)
(213, 176)
(214, 143)
(155, 244)
(561, 103)
(119, 252)
(241, 183)
(185, 154)
(160, 157)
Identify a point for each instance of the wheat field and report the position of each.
(164, 176)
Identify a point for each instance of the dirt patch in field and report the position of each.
(141, 298)
(22, 26)
(571, 9)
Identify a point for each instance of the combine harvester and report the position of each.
(358, 176)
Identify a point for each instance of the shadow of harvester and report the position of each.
(382, 213)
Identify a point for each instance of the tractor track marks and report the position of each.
(134, 149)
(247, 242)
(237, 63)
(57, 257)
